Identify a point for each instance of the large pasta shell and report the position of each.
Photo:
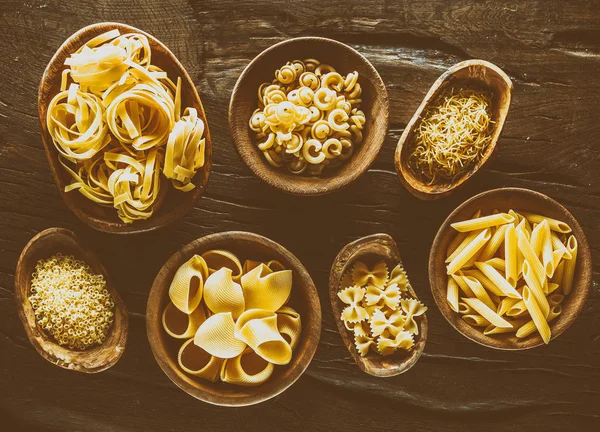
(265, 289)
(223, 294)
(216, 336)
(247, 369)
(289, 324)
(258, 329)
(249, 265)
(186, 288)
(217, 259)
(181, 325)
(196, 361)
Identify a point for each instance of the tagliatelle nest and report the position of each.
(452, 135)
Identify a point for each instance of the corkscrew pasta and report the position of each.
(117, 125)
(234, 318)
(504, 271)
(309, 117)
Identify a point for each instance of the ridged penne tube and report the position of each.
(457, 240)
(483, 222)
(498, 263)
(505, 305)
(547, 250)
(530, 256)
(476, 320)
(487, 284)
(510, 255)
(558, 245)
(536, 289)
(537, 239)
(494, 244)
(194, 360)
(216, 336)
(463, 244)
(217, 259)
(517, 309)
(552, 287)
(460, 281)
(517, 217)
(289, 325)
(525, 228)
(452, 294)
(247, 369)
(187, 286)
(222, 294)
(496, 278)
(555, 225)
(569, 270)
(557, 277)
(493, 330)
(468, 252)
(181, 325)
(487, 313)
(258, 329)
(537, 316)
(479, 291)
(555, 299)
(465, 309)
(528, 328)
(265, 289)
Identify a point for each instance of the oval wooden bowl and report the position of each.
(95, 359)
(304, 299)
(464, 74)
(176, 203)
(371, 249)
(344, 59)
(505, 199)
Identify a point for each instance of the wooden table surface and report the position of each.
(550, 49)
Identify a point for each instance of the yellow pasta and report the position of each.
(479, 291)
(389, 295)
(412, 308)
(494, 244)
(537, 239)
(222, 294)
(362, 275)
(517, 309)
(289, 325)
(195, 361)
(506, 305)
(555, 225)
(466, 241)
(538, 317)
(465, 309)
(458, 239)
(498, 280)
(476, 320)
(468, 252)
(217, 259)
(531, 258)
(180, 325)
(188, 284)
(354, 312)
(387, 346)
(487, 313)
(452, 294)
(363, 343)
(464, 287)
(487, 284)
(217, 337)
(569, 270)
(483, 222)
(266, 289)
(247, 369)
(558, 245)
(528, 328)
(258, 329)
(510, 255)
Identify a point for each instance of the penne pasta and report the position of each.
(468, 252)
(498, 263)
(517, 217)
(510, 256)
(552, 287)
(483, 222)
(569, 270)
(494, 244)
(555, 299)
(487, 284)
(517, 309)
(528, 328)
(525, 228)
(530, 257)
(476, 320)
(535, 288)
(537, 316)
(506, 304)
(466, 241)
(460, 281)
(547, 251)
(480, 292)
(492, 330)
(459, 237)
(465, 309)
(452, 294)
(487, 313)
(496, 278)
(555, 225)
(558, 273)
(537, 239)
(557, 244)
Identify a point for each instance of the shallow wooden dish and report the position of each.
(304, 299)
(371, 249)
(465, 74)
(505, 199)
(92, 360)
(176, 204)
(244, 101)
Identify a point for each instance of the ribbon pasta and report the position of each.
(234, 318)
(116, 125)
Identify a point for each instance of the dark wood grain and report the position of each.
(549, 143)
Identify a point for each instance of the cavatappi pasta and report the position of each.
(309, 117)
(70, 302)
(233, 317)
(378, 308)
(117, 125)
(510, 272)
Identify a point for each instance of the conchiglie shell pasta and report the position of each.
(264, 289)
(216, 336)
(181, 325)
(222, 294)
(289, 324)
(195, 361)
(247, 369)
(187, 286)
(217, 259)
(258, 329)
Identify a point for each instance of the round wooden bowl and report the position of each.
(505, 199)
(95, 359)
(344, 59)
(371, 249)
(175, 204)
(466, 74)
(304, 299)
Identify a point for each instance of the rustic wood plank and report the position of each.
(550, 49)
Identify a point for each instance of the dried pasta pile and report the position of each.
(510, 272)
(117, 125)
(452, 135)
(70, 302)
(309, 117)
(379, 309)
(234, 318)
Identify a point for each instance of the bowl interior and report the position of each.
(175, 203)
(304, 299)
(344, 59)
(504, 200)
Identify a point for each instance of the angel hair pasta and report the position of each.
(70, 302)
(234, 317)
(379, 309)
(117, 125)
(309, 117)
